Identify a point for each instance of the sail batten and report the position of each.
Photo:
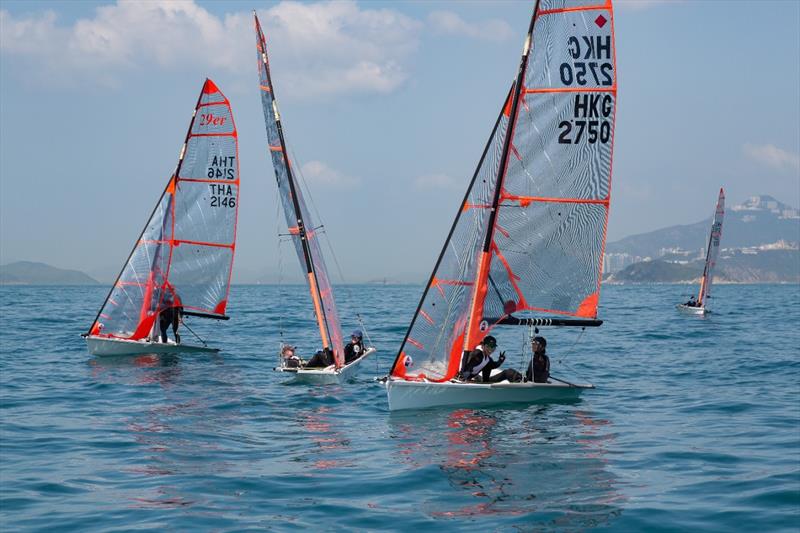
(184, 255)
(531, 232)
(298, 217)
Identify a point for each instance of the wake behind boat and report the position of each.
(699, 306)
(529, 235)
(329, 364)
(181, 263)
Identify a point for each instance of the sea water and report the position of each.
(694, 425)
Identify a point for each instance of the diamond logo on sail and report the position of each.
(600, 21)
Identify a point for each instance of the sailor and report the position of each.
(170, 315)
(692, 302)
(478, 364)
(322, 358)
(290, 358)
(355, 348)
(539, 367)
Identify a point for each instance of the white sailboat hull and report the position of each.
(325, 376)
(421, 394)
(103, 346)
(687, 310)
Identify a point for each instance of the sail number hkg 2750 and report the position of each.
(590, 119)
(596, 47)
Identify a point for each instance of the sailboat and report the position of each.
(527, 243)
(700, 306)
(306, 238)
(183, 257)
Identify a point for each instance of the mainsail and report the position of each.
(184, 255)
(530, 233)
(713, 250)
(298, 218)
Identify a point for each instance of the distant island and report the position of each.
(760, 244)
(31, 273)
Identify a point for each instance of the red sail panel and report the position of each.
(554, 203)
(297, 213)
(185, 254)
(713, 249)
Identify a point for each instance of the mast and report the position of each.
(170, 185)
(479, 287)
(316, 295)
(452, 229)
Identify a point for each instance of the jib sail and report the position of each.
(530, 233)
(184, 256)
(298, 218)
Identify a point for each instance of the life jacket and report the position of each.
(477, 368)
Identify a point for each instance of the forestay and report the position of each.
(713, 250)
(184, 256)
(298, 218)
(530, 233)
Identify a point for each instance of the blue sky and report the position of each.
(386, 105)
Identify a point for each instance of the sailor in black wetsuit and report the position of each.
(692, 302)
(539, 367)
(355, 348)
(170, 316)
(478, 364)
(322, 358)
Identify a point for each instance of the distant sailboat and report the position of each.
(700, 306)
(305, 237)
(530, 232)
(184, 256)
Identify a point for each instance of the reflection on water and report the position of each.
(177, 432)
(328, 444)
(542, 466)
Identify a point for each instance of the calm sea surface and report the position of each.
(695, 424)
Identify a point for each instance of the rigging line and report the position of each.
(280, 264)
(327, 240)
(574, 344)
(193, 333)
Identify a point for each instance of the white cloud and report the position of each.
(319, 48)
(451, 23)
(438, 181)
(318, 172)
(772, 156)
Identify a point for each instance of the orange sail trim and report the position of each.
(426, 316)
(468, 206)
(542, 13)
(233, 134)
(588, 307)
(209, 87)
(221, 103)
(513, 278)
(171, 186)
(201, 243)
(612, 89)
(207, 180)
(525, 201)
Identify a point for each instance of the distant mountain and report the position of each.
(766, 266)
(30, 273)
(760, 220)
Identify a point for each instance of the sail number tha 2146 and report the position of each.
(222, 194)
